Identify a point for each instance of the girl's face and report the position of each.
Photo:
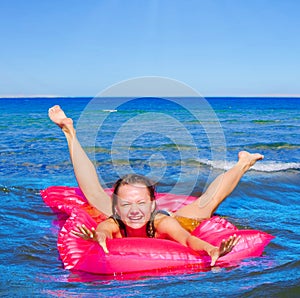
(134, 205)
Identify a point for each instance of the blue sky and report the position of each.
(218, 47)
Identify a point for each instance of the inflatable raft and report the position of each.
(128, 255)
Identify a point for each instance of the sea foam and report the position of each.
(268, 166)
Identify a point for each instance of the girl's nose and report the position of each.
(134, 209)
(133, 212)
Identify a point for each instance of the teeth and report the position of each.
(135, 219)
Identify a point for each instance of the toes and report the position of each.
(54, 108)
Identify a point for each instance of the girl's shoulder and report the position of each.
(112, 223)
(163, 217)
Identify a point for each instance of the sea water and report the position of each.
(181, 144)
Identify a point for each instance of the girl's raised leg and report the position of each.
(84, 169)
(220, 188)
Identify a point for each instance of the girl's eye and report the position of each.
(142, 203)
(124, 205)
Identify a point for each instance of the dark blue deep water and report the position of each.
(182, 144)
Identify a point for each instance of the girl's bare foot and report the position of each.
(58, 116)
(249, 159)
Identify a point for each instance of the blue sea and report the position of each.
(182, 144)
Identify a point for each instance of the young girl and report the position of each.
(133, 206)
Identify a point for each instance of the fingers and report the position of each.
(233, 240)
(76, 233)
(237, 239)
(227, 245)
(90, 234)
(85, 233)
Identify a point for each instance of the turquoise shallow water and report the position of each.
(182, 146)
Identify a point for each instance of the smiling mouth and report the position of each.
(139, 218)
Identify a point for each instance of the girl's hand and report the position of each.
(85, 233)
(225, 247)
(91, 234)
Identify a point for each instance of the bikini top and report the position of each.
(150, 229)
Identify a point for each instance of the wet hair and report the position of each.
(133, 179)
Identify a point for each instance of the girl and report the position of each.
(133, 207)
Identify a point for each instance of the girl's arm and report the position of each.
(171, 228)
